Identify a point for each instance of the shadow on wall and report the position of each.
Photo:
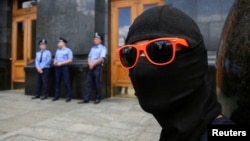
(233, 69)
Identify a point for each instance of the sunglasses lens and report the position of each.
(160, 51)
(128, 56)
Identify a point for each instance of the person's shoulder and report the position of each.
(48, 51)
(222, 121)
(68, 49)
(103, 46)
(218, 121)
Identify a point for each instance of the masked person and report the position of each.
(43, 64)
(167, 62)
(63, 58)
(96, 57)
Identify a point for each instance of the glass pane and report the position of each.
(124, 23)
(123, 87)
(123, 91)
(146, 7)
(33, 39)
(20, 41)
(25, 3)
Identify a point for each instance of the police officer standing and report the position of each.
(43, 64)
(95, 59)
(63, 58)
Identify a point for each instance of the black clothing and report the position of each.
(178, 94)
(94, 80)
(42, 41)
(217, 121)
(42, 83)
(62, 39)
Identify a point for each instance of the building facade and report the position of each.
(23, 22)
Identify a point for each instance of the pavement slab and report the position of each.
(114, 119)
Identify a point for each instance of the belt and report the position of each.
(45, 68)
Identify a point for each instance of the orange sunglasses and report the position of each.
(158, 52)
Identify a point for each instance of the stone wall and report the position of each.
(5, 28)
(5, 43)
(71, 19)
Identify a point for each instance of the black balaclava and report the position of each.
(177, 94)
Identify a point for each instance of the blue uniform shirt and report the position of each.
(96, 52)
(45, 61)
(63, 54)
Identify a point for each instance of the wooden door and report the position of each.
(23, 40)
(123, 12)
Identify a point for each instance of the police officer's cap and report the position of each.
(42, 41)
(98, 35)
(61, 39)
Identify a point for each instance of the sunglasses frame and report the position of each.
(142, 48)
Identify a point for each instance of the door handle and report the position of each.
(10, 59)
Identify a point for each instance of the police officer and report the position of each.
(43, 64)
(95, 60)
(63, 58)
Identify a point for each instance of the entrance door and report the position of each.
(23, 36)
(123, 12)
(23, 39)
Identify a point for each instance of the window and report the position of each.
(21, 4)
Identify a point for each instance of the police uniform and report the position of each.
(62, 72)
(94, 75)
(43, 62)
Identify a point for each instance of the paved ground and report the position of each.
(115, 119)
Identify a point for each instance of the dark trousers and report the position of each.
(42, 83)
(93, 79)
(62, 72)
